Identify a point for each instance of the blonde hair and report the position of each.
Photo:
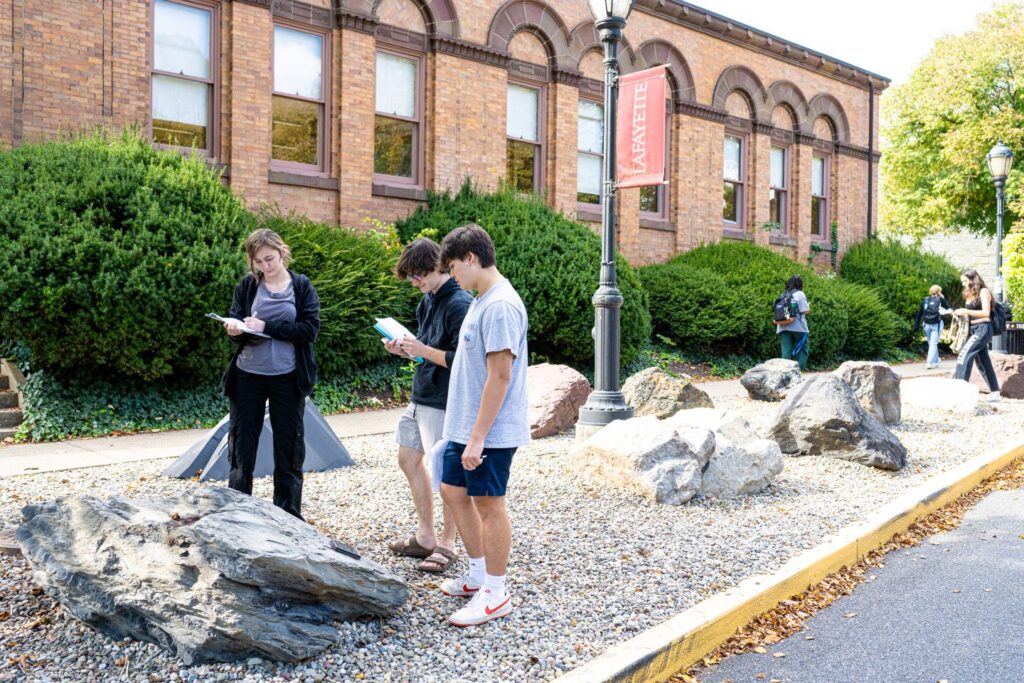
(264, 237)
(935, 290)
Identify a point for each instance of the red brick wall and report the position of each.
(86, 52)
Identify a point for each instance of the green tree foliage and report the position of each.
(1013, 271)
(113, 252)
(553, 262)
(938, 127)
(353, 275)
(901, 276)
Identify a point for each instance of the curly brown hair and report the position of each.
(418, 258)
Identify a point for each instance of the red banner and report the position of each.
(640, 146)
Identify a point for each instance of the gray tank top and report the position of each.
(270, 356)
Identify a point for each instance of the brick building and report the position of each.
(344, 109)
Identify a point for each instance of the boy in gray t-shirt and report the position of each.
(485, 422)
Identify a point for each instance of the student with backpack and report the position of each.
(932, 308)
(985, 315)
(790, 318)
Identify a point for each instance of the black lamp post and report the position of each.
(606, 402)
(1000, 159)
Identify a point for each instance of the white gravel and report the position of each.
(590, 567)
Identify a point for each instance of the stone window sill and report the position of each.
(782, 240)
(302, 180)
(399, 191)
(657, 224)
(732, 234)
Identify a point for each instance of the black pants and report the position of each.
(248, 400)
(976, 349)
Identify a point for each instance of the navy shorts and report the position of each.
(489, 479)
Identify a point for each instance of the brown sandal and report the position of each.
(433, 566)
(410, 547)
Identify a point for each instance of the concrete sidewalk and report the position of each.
(75, 453)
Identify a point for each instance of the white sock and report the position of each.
(477, 570)
(495, 584)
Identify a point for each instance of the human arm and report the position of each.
(454, 314)
(307, 319)
(918, 317)
(986, 306)
(235, 333)
(499, 376)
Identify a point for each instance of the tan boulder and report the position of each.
(556, 394)
(655, 392)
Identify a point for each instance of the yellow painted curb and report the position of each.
(683, 640)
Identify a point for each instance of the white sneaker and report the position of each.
(460, 586)
(993, 397)
(484, 607)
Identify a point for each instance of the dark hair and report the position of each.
(460, 242)
(794, 283)
(974, 284)
(418, 258)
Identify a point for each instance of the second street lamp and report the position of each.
(999, 160)
(606, 402)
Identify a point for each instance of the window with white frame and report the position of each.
(733, 179)
(590, 152)
(299, 100)
(819, 196)
(398, 119)
(184, 75)
(524, 146)
(778, 193)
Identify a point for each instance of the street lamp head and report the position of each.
(604, 10)
(1000, 159)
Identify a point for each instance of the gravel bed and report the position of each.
(590, 566)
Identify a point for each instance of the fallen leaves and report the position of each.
(850, 615)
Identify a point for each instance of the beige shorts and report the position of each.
(420, 427)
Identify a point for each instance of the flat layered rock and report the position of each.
(212, 575)
(876, 385)
(940, 393)
(655, 392)
(771, 380)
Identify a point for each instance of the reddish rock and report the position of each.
(1009, 371)
(556, 392)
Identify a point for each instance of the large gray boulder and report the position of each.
(648, 456)
(771, 380)
(655, 392)
(876, 385)
(824, 417)
(724, 422)
(556, 394)
(212, 575)
(738, 469)
(940, 394)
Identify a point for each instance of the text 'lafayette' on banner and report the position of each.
(640, 140)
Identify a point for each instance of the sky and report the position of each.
(887, 37)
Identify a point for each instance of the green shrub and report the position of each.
(901, 276)
(113, 253)
(1013, 271)
(749, 279)
(352, 273)
(553, 262)
(693, 307)
(872, 329)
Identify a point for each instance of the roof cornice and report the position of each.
(709, 23)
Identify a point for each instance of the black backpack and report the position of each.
(784, 307)
(1001, 312)
(931, 310)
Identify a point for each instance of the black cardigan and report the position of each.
(302, 333)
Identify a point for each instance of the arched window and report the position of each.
(734, 167)
(525, 113)
(780, 172)
(821, 179)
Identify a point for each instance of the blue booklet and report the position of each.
(392, 329)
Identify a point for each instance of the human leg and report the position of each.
(787, 343)
(803, 349)
(984, 360)
(287, 412)
(245, 422)
(965, 360)
(932, 333)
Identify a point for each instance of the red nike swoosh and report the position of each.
(492, 611)
(467, 589)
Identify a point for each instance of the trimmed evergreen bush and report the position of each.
(1013, 271)
(113, 253)
(901, 276)
(693, 307)
(352, 273)
(553, 262)
(872, 329)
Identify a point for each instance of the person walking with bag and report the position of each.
(790, 318)
(279, 368)
(979, 310)
(930, 313)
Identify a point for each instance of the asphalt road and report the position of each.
(950, 609)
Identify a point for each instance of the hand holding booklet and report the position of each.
(392, 330)
(238, 323)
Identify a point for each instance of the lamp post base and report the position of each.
(602, 408)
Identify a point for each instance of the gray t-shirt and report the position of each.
(494, 322)
(262, 356)
(799, 323)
